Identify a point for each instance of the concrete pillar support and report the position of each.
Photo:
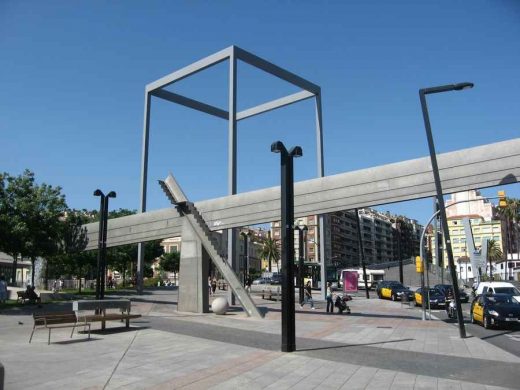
(193, 275)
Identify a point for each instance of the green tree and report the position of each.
(31, 216)
(73, 243)
(511, 216)
(270, 251)
(170, 262)
(494, 254)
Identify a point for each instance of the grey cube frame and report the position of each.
(233, 54)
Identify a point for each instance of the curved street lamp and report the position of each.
(287, 236)
(440, 197)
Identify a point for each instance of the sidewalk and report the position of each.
(381, 345)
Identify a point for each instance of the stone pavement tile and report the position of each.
(359, 379)
(403, 381)
(448, 384)
(238, 382)
(472, 386)
(339, 376)
(425, 383)
(382, 379)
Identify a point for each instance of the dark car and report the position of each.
(436, 296)
(495, 310)
(394, 290)
(447, 290)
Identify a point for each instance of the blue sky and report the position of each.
(72, 78)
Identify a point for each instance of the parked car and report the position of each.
(393, 290)
(436, 296)
(498, 288)
(275, 279)
(447, 290)
(261, 281)
(495, 310)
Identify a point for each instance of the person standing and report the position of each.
(330, 303)
(248, 284)
(307, 298)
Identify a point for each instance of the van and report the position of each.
(498, 288)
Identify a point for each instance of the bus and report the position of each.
(374, 276)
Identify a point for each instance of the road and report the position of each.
(507, 339)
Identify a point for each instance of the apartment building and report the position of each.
(485, 226)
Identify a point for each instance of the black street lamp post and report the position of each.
(287, 236)
(102, 244)
(438, 187)
(301, 259)
(100, 240)
(246, 255)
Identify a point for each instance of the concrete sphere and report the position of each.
(220, 305)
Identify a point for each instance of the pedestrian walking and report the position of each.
(3, 289)
(307, 298)
(209, 285)
(248, 284)
(213, 285)
(330, 303)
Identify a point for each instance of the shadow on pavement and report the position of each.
(76, 341)
(352, 345)
(144, 300)
(119, 329)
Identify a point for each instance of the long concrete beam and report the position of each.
(478, 167)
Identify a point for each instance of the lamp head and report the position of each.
(461, 86)
(98, 192)
(296, 151)
(111, 194)
(278, 147)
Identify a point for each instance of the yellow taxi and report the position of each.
(436, 297)
(393, 290)
(495, 309)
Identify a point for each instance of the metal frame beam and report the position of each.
(275, 70)
(274, 104)
(189, 70)
(233, 53)
(190, 103)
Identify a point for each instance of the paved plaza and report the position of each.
(381, 345)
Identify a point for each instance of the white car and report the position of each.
(498, 287)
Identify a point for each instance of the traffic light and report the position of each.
(502, 202)
(418, 265)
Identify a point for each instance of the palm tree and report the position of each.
(494, 253)
(511, 215)
(270, 251)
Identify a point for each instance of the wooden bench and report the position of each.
(101, 306)
(58, 320)
(273, 295)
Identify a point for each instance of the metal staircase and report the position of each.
(190, 212)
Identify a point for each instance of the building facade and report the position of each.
(485, 226)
